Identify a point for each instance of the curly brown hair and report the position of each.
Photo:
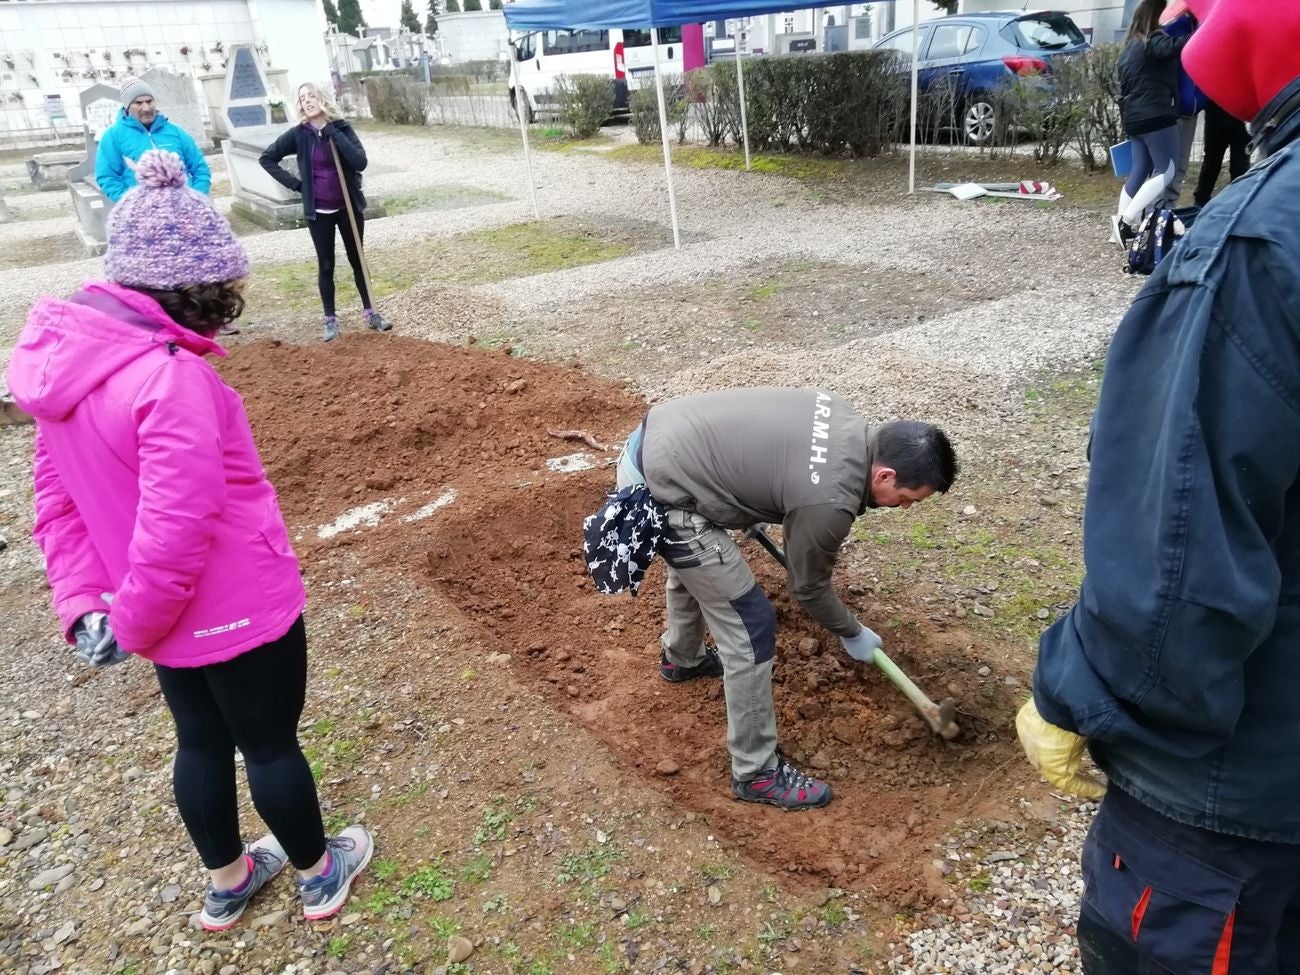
(202, 308)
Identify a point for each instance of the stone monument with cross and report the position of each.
(100, 107)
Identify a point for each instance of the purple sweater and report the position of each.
(324, 176)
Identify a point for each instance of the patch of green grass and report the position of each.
(576, 936)
(442, 927)
(539, 967)
(610, 963)
(338, 946)
(592, 865)
(384, 868)
(441, 198)
(495, 905)
(705, 932)
(635, 919)
(538, 248)
(477, 257)
(980, 883)
(752, 324)
(701, 157)
(476, 870)
(492, 827)
(335, 822)
(429, 881)
(410, 794)
(323, 727)
(378, 900)
(773, 931)
(770, 893)
(834, 914)
(716, 871)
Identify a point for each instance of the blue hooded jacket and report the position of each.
(128, 139)
(1181, 660)
(1191, 100)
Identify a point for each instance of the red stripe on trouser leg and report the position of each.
(1225, 947)
(1139, 911)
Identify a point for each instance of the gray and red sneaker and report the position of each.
(785, 786)
(711, 666)
(222, 908)
(348, 854)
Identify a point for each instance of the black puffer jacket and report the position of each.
(297, 141)
(1148, 83)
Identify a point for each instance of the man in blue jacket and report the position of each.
(139, 128)
(1179, 667)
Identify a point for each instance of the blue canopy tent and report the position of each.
(537, 15)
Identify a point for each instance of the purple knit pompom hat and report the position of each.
(164, 235)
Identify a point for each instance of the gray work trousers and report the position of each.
(710, 586)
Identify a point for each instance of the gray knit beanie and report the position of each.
(133, 88)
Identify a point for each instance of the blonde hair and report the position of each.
(324, 98)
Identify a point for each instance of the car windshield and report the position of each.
(1045, 32)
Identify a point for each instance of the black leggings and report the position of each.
(252, 703)
(322, 235)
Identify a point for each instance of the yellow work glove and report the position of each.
(1056, 753)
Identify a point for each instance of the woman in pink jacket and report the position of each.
(163, 538)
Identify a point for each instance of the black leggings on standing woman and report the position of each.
(322, 235)
(252, 703)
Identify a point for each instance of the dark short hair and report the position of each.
(202, 308)
(920, 454)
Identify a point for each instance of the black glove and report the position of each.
(96, 644)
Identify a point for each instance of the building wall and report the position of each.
(475, 36)
(94, 35)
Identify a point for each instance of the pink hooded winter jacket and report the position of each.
(148, 483)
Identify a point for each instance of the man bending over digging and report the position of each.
(701, 465)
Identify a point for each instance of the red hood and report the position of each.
(1244, 52)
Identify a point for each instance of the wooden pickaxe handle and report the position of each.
(940, 717)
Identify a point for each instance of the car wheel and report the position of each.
(529, 115)
(979, 120)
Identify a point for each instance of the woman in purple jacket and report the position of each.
(163, 538)
(320, 133)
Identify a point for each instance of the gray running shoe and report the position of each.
(222, 908)
(349, 852)
(331, 328)
(377, 322)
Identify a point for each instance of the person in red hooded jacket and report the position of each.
(1179, 666)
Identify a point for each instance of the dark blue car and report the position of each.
(980, 53)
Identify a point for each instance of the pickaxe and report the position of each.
(940, 717)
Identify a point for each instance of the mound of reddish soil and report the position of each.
(372, 418)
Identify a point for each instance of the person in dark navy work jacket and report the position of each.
(1179, 667)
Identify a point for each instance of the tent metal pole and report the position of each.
(521, 103)
(911, 155)
(740, 85)
(663, 132)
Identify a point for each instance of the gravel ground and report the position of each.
(1062, 296)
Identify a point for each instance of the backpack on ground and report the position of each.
(1157, 235)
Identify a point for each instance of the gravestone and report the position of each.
(101, 106)
(49, 170)
(245, 113)
(178, 99)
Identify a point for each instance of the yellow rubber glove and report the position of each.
(1056, 753)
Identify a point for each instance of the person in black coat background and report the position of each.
(321, 130)
(1223, 135)
(1148, 78)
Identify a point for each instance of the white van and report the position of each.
(624, 56)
